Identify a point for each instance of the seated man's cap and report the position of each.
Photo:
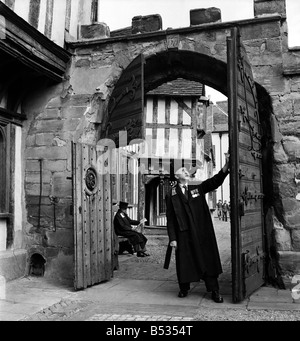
(123, 204)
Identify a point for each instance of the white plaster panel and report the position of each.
(186, 118)
(59, 20)
(149, 110)
(85, 12)
(42, 17)
(173, 112)
(161, 111)
(160, 145)
(22, 8)
(74, 19)
(186, 147)
(173, 145)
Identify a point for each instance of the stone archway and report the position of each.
(168, 65)
(196, 53)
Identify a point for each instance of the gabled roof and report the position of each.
(179, 87)
(220, 116)
(220, 127)
(220, 113)
(223, 105)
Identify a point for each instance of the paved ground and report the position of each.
(142, 290)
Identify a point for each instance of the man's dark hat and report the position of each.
(123, 205)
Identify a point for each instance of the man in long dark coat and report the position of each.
(122, 226)
(191, 232)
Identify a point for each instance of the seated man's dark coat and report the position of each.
(122, 226)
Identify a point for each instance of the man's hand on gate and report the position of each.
(227, 157)
(227, 163)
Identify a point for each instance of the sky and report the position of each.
(176, 13)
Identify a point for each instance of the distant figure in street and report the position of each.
(219, 209)
(191, 232)
(224, 210)
(122, 226)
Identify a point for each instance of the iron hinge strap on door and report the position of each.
(246, 196)
(71, 206)
(249, 261)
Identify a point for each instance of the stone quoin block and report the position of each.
(55, 165)
(32, 165)
(51, 113)
(48, 125)
(205, 16)
(60, 238)
(289, 261)
(34, 177)
(44, 139)
(35, 200)
(296, 239)
(34, 189)
(289, 204)
(291, 146)
(73, 112)
(94, 31)
(30, 140)
(283, 239)
(48, 152)
(293, 220)
(276, 134)
(144, 24)
(265, 30)
(268, 7)
(76, 100)
(62, 187)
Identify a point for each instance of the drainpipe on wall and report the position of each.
(41, 191)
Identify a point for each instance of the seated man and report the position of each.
(122, 226)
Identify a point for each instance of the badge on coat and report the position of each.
(174, 191)
(195, 193)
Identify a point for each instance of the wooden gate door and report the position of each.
(246, 191)
(92, 211)
(126, 105)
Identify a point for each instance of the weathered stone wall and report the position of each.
(279, 74)
(55, 120)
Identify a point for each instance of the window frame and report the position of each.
(5, 132)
